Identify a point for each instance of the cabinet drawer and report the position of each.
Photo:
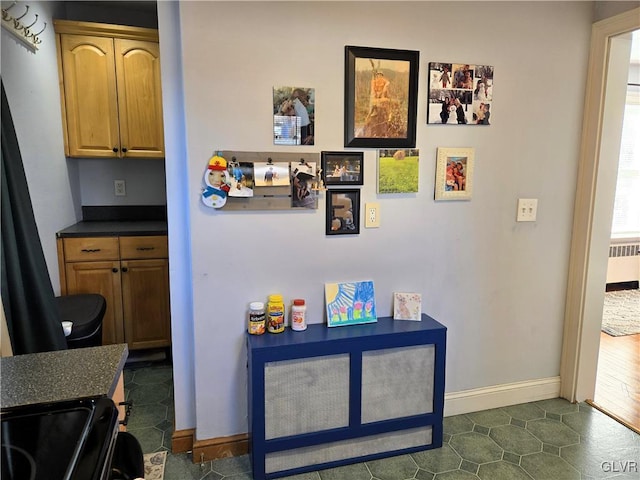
(91, 248)
(144, 247)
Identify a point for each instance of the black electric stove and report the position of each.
(71, 440)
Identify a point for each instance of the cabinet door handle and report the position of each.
(145, 249)
(114, 270)
(125, 269)
(115, 149)
(127, 412)
(124, 150)
(90, 250)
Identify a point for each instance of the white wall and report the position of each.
(498, 285)
(31, 83)
(144, 180)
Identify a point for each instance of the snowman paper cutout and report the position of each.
(218, 183)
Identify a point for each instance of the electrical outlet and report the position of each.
(527, 210)
(372, 215)
(120, 188)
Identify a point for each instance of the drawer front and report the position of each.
(87, 249)
(144, 247)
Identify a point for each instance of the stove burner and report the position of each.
(17, 463)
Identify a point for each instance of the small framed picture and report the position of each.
(342, 168)
(343, 212)
(454, 174)
(407, 306)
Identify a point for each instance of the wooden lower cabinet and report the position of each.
(136, 289)
(145, 302)
(102, 278)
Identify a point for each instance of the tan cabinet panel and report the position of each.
(91, 249)
(90, 95)
(102, 278)
(145, 295)
(139, 98)
(143, 247)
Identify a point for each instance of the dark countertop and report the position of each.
(61, 375)
(114, 229)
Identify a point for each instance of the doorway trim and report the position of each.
(585, 289)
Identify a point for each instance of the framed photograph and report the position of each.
(454, 174)
(460, 94)
(342, 168)
(407, 306)
(380, 92)
(398, 170)
(350, 303)
(343, 212)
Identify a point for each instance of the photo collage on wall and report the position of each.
(460, 94)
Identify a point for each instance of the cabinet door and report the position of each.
(90, 95)
(139, 98)
(145, 296)
(102, 278)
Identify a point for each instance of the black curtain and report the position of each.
(27, 295)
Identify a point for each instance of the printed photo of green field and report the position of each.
(398, 171)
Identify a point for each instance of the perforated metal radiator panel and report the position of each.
(306, 395)
(346, 449)
(397, 382)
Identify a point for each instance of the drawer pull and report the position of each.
(127, 412)
(91, 250)
(145, 249)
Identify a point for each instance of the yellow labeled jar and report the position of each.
(275, 314)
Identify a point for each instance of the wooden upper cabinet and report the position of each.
(139, 98)
(92, 106)
(110, 90)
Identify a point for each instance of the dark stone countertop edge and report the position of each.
(50, 377)
(114, 229)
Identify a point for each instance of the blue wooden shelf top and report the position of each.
(319, 332)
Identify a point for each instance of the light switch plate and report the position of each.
(371, 215)
(527, 210)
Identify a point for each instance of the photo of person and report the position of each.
(275, 174)
(456, 174)
(302, 176)
(459, 94)
(381, 94)
(342, 168)
(241, 178)
(293, 115)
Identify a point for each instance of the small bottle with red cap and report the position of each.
(298, 312)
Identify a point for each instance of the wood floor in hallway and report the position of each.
(618, 378)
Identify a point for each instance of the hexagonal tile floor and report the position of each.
(545, 440)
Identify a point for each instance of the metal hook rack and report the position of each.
(20, 30)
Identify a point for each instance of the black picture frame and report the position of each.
(342, 168)
(343, 211)
(380, 91)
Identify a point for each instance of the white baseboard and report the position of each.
(496, 396)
